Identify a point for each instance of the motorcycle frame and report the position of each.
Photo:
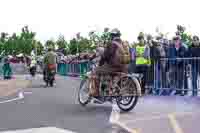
(136, 79)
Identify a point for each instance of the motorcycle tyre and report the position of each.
(132, 103)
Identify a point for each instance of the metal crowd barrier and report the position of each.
(177, 76)
(74, 69)
(164, 77)
(1, 69)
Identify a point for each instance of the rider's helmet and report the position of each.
(115, 34)
(50, 48)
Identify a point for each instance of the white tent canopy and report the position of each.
(20, 55)
(10, 56)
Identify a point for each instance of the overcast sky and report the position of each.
(49, 18)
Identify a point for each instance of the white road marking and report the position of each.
(28, 92)
(115, 114)
(20, 96)
(40, 130)
(162, 116)
(171, 117)
(127, 128)
(174, 123)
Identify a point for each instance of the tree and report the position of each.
(1, 47)
(16, 44)
(27, 38)
(185, 37)
(61, 43)
(95, 38)
(105, 37)
(73, 46)
(84, 45)
(39, 47)
(3, 39)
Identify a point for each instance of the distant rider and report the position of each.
(50, 60)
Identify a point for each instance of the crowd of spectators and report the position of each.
(174, 61)
(82, 57)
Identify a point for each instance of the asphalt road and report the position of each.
(55, 107)
(170, 114)
(58, 107)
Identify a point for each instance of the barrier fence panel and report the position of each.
(166, 76)
(62, 69)
(177, 76)
(73, 69)
(1, 70)
(149, 77)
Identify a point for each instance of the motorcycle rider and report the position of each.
(50, 60)
(112, 60)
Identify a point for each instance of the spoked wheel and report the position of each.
(126, 100)
(83, 94)
(129, 98)
(51, 83)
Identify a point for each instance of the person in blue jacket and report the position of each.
(194, 51)
(181, 52)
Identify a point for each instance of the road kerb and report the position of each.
(20, 96)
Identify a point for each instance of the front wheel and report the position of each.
(51, 83)
(126, 104)
(128, 100)
(83, 93)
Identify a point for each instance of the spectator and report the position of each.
(181, 52)
(157, 53)
(194, 52)
(142, 63)
(171, 65)
(7, 71)
(147, 55)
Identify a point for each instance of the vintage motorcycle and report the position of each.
(49, 74)
(33, 70)
(123, 88)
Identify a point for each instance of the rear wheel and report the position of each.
(129, 96)
(51, 83)
(83, 94)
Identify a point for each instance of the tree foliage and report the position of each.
(50, 43)
(62, 45)
(185, 37)
(24, 42)
(81, 44)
